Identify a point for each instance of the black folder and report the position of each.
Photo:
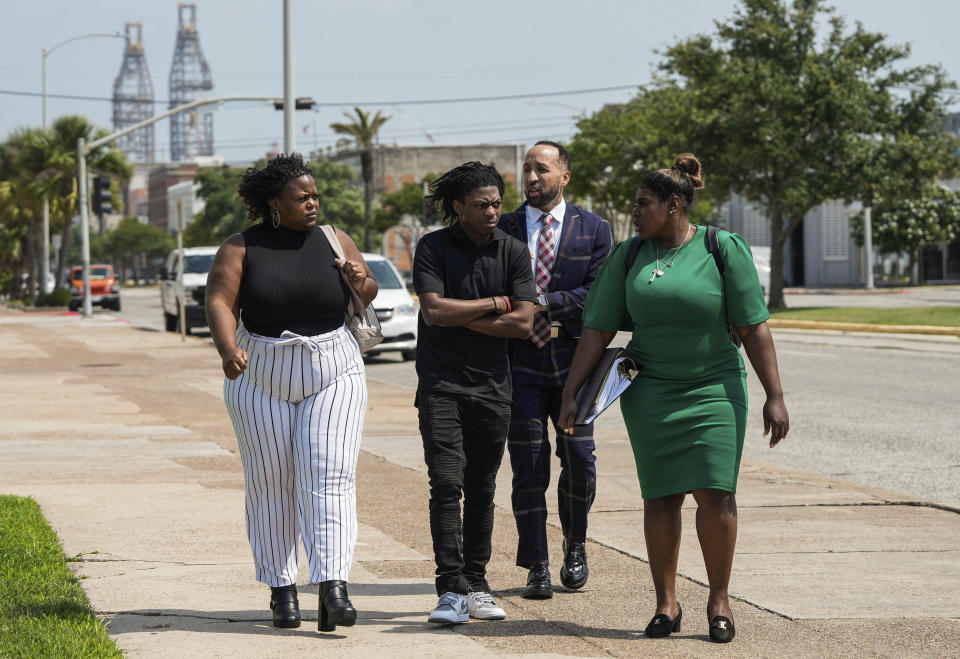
(610, 378)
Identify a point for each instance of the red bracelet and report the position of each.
(509, 306)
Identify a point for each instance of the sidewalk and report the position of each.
(122, 437)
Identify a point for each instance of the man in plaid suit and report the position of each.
(568, 245)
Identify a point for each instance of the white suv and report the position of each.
(197, 262)
(396, 310)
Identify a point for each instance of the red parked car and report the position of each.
(104, 289)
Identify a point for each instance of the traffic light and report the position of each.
(101, 196)
(300, 103)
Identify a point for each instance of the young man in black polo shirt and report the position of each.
(476, 291)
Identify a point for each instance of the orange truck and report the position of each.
(104, 289)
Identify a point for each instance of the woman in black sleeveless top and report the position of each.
(295, 388)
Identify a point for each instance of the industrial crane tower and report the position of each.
(191, 132)
(133, 98)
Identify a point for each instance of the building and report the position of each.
(393, 166)
(184, 204)
(160, 177)
(818, 253)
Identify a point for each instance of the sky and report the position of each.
(377, 53)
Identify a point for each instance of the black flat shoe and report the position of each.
(538, 584)
(722, 630)
(285, 607)
(661, 625)
(335, 606)
(574, 572)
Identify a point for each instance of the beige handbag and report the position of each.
(361, 320)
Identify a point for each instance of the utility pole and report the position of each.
(84, 225)
(289, 105)
(868, 245)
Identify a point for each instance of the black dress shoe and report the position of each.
(538, 584)
(335, 606)
(721, 629)
(574, 572)
(661, 625)
(285, 607)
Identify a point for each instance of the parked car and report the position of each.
(197, 262)
(104, 288)
(396, 310)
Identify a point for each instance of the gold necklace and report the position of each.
(657, 271)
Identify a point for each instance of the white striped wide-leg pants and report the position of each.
(298, 412)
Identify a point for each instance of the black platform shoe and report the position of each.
(574, 572)
(661, 625)
(285, 607)
(721, 629)
(335, 606)
(538, 584)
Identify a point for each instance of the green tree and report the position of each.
(341, 202)
(132, 241)
(223, 213)
(784, 119)
(615, 147)
(61, 169)
(408, 200)
(363, 129)
(19, 210)
(903, 224)
(790, 123)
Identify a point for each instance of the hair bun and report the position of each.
(687, 163)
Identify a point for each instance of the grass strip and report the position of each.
(937, 316)
(43, 610)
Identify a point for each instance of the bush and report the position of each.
(60, 297)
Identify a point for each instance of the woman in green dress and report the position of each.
(686, 413)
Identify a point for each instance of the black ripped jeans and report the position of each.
(463, 443)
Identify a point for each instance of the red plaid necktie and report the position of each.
(541, 326)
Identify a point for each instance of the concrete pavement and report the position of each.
(122, 437)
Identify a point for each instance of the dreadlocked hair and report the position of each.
(458, 183)
(258, 186)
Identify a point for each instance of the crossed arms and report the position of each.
(487, 316)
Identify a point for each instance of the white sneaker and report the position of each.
(482, 607)
(452, 609)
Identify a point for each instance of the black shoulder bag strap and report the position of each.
(713, 246)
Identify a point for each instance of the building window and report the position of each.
(754, 226)
(836, 232)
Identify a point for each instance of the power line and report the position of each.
(339, 104)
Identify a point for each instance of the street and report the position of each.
(880, 410)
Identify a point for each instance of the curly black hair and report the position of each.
(258, 186)
(457, 184)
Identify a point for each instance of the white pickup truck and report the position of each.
(197, 262)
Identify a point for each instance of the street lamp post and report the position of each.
(289, 105)
(84, 149)
(45, 244)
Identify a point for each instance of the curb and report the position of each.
(864, 327)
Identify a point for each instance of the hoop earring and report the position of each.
(276, 218)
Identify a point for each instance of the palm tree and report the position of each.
(62, 167)
(363, 129)
(19, 208)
